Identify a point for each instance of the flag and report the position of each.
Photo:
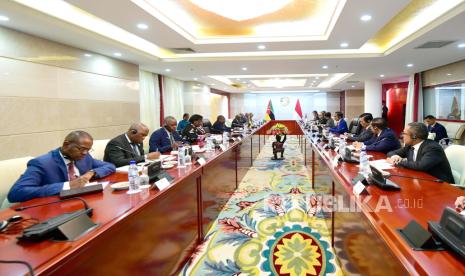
(454, 109)
(298, 109)
(269, 112)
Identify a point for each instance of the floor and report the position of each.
(271, 225)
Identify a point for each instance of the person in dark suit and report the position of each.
(439, 130)
(166, 138)
(384, 139)
(322, 119)
(421, 154)
(341, 124)
(329, 121)
(67, 167)
(219, 126)
(237, 122)
(366, 133)
(129, 146)
(192, 131)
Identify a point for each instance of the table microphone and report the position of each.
(424, 179)
(86, 206)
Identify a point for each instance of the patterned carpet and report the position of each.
(271, 225)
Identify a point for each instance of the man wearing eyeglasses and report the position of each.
(68, 167)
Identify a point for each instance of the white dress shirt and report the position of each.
(415, 150)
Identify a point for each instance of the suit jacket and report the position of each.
(384, 143)
(330, 123)
(236, 123)
(364, 136)
(219, 128)
(191, 133)
(440, 131)
(160, 140)
(122, 157)
(340, 128)
(46, 174)
(430, 159)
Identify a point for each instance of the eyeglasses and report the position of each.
(83, 149)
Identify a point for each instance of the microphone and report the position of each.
(131, 152)
(424, 179)
(86, 206)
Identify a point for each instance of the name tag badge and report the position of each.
(358, 188)
(223, 147)
(162, 183)
(201, 161)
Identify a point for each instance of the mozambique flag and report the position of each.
(269, 112)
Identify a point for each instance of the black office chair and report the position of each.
(355, 127)
(207, 125)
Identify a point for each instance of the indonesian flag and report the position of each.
(298, 109)
(269, 112)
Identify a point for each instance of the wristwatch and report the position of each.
(93, 171)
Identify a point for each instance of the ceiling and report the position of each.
(224, 42)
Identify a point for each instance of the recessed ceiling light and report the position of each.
(4, 18)
(168, 70)
(317, 78)
(382, 76)
(324, 66)
(365, 17)
(344, 45)
(261, 47)
(449, 74)
(212, 84)
(461, 45)
(195, 79)
(117, 54)
(142, 26)
(87, 55)
(410, 65)
(244, 68)
(353, 86)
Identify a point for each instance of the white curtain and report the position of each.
(410, 104)
(149, 98)
(173, 98)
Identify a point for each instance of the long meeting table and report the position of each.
(149, 233)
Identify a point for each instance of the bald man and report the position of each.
(129, 146)
(67, 167)
(166, 138)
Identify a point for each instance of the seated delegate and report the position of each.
(165, 139)
(129, 146)
(341, 124)
(219, 126)
(439, 131)
(70, 166)
(366, 133)
(192, 131)
(421, 154)
(384, 139)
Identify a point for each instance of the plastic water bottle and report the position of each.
(181, 157)
(225, 138)
(144, 178)
(364, 164)
(133, 178)
(342, 146)
(187, 156)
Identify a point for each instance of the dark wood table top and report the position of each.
(419, 200)
(110, 207)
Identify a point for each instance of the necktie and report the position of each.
(171, 139)
(135, 149)
(71, 172)
(429, 128)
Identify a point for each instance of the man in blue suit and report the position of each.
(68, 167)
(166, 138)
(384, 139)
(341, 125)
(436, 128)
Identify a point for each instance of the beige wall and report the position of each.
(48, 89)
(354, 103)
(198, 99)
(333, 102)
(440, 75)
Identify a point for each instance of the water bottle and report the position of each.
(188, 158)
(364, 164)
(144, 178)
(181, 157)
(225, 138)
(133, 178)
(342, 146)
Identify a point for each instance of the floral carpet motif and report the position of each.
(273, 224)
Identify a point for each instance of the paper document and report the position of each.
(382, 164)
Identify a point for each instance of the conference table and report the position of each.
(155, 232)
(152, 232)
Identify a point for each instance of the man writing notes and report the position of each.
(421, 154)
(166, 138)
(70, 166)
(129, 146)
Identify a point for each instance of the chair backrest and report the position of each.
(10, 171)
(455, 154)
(99, 148)
(353, 127)
(455, 131)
